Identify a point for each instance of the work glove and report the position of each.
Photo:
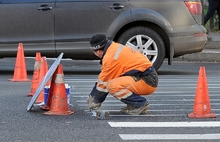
(92, 103)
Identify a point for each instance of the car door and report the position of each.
(30, 22)
(77, 21)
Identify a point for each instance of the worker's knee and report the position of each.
(111, 87)
(116, 85)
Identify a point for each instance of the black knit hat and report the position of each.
(98, 41)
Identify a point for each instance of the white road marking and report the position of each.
(162, 93)
(170, 136)
(166, 124)
(112, 105)
(80, 91)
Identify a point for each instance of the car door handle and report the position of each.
(45, 7)
(116, 6)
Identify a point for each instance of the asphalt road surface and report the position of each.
(167, 119)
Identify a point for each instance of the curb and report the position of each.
(207, 55)
(210, 53)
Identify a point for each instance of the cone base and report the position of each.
(30, 95)
(38, 102)
(211, 115)
(19, 80)
(45, 107)
(68, 112)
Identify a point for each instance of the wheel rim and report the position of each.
(144, 44)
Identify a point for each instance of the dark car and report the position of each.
(157, 28)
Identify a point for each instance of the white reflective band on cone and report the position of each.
(59, 78)
(37, 66)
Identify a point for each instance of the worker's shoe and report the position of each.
(138, 111)
(126, 108)
(129, 107)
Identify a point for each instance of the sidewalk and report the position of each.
(211, 52)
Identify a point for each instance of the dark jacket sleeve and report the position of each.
(99, 96)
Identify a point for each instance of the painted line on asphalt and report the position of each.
(166, 124)
(146, 115)
(149, 115)
(113, 100)
(173, 82)
(150, 104)
(118, 111)
(170, 136)
(163, 93)
(153, 110)
(153, 115)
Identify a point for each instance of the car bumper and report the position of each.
(191, 43)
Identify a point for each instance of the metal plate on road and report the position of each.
(45, 80)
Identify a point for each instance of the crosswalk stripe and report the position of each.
(113, 100)
(111, 105)
(183, 97)
(170, 136)
(165, 124)
(164, 94)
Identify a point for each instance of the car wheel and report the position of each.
(147, 41)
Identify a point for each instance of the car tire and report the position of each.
(137, 38)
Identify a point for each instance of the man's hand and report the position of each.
(90, 99)
(92, 105)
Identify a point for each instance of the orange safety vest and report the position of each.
(118, 60)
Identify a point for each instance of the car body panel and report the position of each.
(77, 30)
(55, 26)
(180, 27)
(35, 30)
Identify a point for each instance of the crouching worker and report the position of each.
(125, 73)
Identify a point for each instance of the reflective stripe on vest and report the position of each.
(101, 89)
(101, 83)
(123, 94)
(118, 51)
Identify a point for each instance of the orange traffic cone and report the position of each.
(36, 73)
(20, 72)
(59, 104)
(43, 71)
(202, 107)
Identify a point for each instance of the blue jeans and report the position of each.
(134, 100)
